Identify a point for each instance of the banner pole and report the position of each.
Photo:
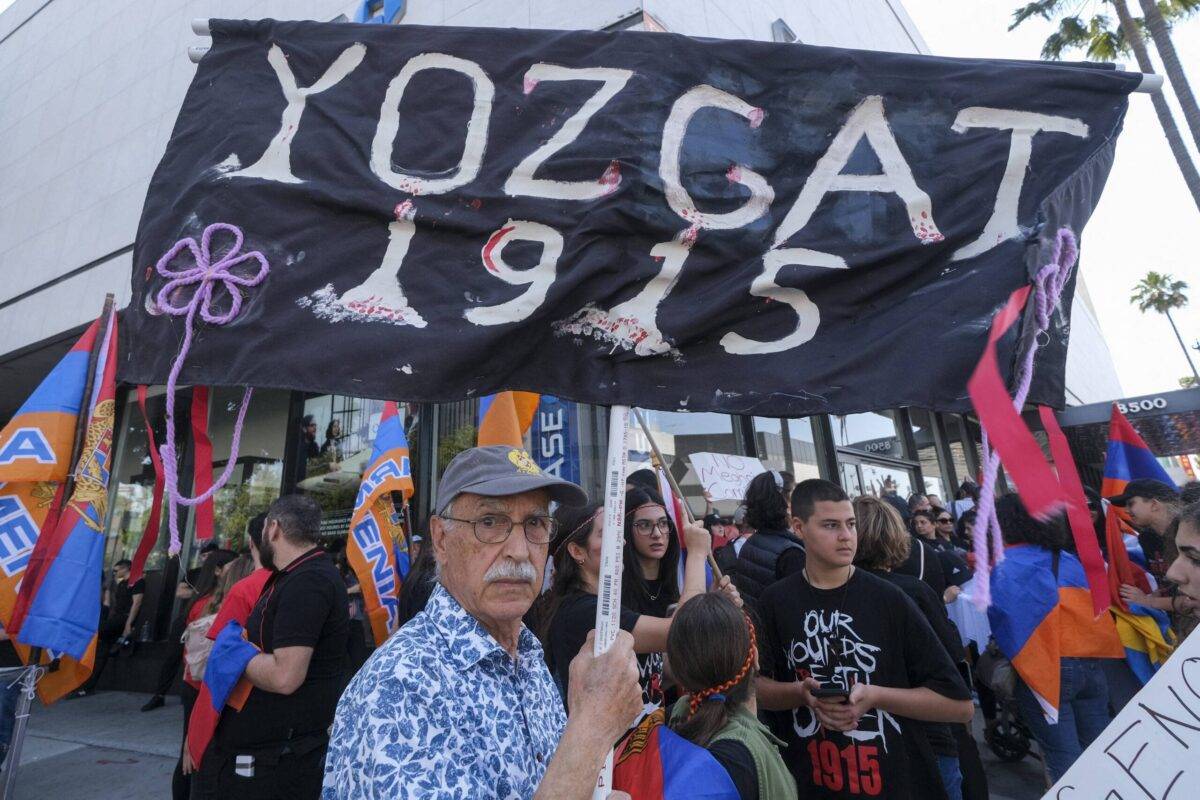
(13, 758)
(32, 670)
(657, 460)
(608, 601)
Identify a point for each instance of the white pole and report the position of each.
(200, 27)
(1151, 83)
(608, 603)
(13, 759)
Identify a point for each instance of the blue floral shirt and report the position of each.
(442, 711)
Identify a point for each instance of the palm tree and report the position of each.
(1160, 292)
(1102, 43)
(1160, 33)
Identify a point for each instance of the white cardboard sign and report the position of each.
(724, 477)
(1149, 752)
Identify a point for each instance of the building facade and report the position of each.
(89, 93)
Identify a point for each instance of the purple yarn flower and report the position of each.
(206, 274)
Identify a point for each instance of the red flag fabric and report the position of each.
(203, 470)
(1077, 512)
(150, 532)
(1121, 568)
(1019, 451)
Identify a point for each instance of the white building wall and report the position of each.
(89, 92)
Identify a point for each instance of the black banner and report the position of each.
(629, 217)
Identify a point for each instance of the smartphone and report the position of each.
(829, 692)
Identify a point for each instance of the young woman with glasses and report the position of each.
(568, 610)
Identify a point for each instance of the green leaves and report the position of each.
(1159, 292)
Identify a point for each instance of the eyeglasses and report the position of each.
(945, 519)
(647, 527)
(496, 528)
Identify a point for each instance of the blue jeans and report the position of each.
(1082, 713)
(10, 693)
(951, 776)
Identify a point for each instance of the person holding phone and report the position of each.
(856, 663)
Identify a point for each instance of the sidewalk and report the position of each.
(103, 746)
(100, 746)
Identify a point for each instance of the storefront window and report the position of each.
(258, 473)
(132, 477)
(336, 438)
(935, 481)
(873, 433)
(678, 435)
(787, 444)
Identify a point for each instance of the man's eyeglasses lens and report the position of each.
(647, 527)
(495, 528)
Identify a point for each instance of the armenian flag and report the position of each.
(505, 417)
(1041, 613)
(655, 763)
(1145, 632)
(1128, 458)
(35, 451)
(375, 529)
(224, 684)
(58, 604)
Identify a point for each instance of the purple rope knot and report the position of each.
(1049, 283)
(206, 275)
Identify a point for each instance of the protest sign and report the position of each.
(1149, 751)
(612, 217)
(724, 477)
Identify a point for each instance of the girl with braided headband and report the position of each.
(712, 653)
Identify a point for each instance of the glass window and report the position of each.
(936, 482)
(337, 435)
(882, 479)
(873, 433)
(678, 435)
(787, 444)
(258, 473)
(132, 478)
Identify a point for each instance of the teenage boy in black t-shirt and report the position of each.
(275, 746)
(854, 661)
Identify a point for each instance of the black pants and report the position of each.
(974, 785)
(291, 771)
(181, 785)
(108, 634)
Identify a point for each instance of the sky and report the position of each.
(1146, 220)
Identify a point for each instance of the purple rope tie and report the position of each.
(205, 275)
(1047, 294)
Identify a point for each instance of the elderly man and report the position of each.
(459, 703)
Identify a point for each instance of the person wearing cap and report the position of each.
(1154, 506)
(459, 702)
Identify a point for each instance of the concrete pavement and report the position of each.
(102, 746)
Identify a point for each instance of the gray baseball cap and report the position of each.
(499, 471)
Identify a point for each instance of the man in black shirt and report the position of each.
(275, 746)
(124, 603)
(855, 662)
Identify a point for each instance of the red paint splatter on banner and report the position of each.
(611, 178)
(530, 84)
(756, 117)
(491, 245)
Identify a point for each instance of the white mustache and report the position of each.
(511, 571)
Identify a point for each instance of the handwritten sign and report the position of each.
(1149, 751)
(725, 477)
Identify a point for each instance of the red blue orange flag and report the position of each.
(35, 451)
(655, 763)
(224, 684)
(58, 604)
(1041, 613)
(505, 418)
(1129, 458)
(375, 527)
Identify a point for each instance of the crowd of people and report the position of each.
(823, 659)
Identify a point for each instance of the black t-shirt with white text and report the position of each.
(303, 605)
(574, 617)
(864, 631)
